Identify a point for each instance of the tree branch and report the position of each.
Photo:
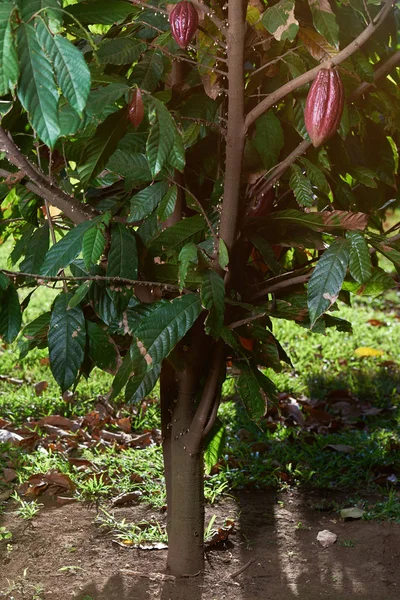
(206, 408)
(102, 278)
(43, 185)
(292, 85)
(235, 137)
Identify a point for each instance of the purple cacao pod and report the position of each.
(136, 108)
(324, 106)
(184, 21)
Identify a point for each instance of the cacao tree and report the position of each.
(156, 168)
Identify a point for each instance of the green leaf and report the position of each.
(29, 8)
(280, 20)
(10, 314)
(134, 168)
(102, 12)
(223, 255)
(177, 158)
(325, 21)
(360, 258)
(363, 67)
(316, 176)
(213, 299)
(37, 89)
(36, 251)
(321, 221)
(141, 385)
(120, 51)
(175, 237)
(301, 187)
(214, 446)
(255, 390)
(93, 245)
(187, 255)
(363, 175)
(266, 251)
(66, 339)
(124, 373)
(167, 205)
(38, 328)
(4, 281)
(147, 73)
(159, 332)
(144, 202)
(101, 348)
(161, 138)
(65, 250)
(102, 145)
(80, 294)
(376, 284)
(102, 97)
(71, 70)
(327, 278)
(122, 257)
(268, 139)
(9, 68)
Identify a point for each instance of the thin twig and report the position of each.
(102, 278)
(246, 566)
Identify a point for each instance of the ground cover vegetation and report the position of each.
(159, 175)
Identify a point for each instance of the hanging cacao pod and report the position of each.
(136, 108)
(184, 21)
(324, 106)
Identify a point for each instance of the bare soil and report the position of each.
(275, 540)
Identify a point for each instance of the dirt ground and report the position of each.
(275, 538)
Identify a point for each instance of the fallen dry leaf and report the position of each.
(365, 351)
(9, 474)
(40, 387)
(339, 448)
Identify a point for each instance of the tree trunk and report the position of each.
(186, 522)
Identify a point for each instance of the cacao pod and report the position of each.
(184, 21)
(136, 108)
(324, 106)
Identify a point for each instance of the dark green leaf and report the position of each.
(93, 245)
(141, 385)
(183, 232)
(327, 278)
(9, 68)
(122, 257)
(37, 89)
(360, 258)
(167, 205)
(101, 146)
(268, 139)
(101, 12)
(213, 299)
(66, 339)
(255, 390)
(102, 350)
(301, 187)
(10, 314)
(147, 73)
(159, 333)
(144, 202)
(70, 68)
(120, 51)
(36, 251)
(66, 250)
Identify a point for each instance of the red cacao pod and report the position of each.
(324, 106)
(136, 108)
(184, 21)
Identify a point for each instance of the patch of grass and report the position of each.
(26, 510)
(387, 509)
(131, 534)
